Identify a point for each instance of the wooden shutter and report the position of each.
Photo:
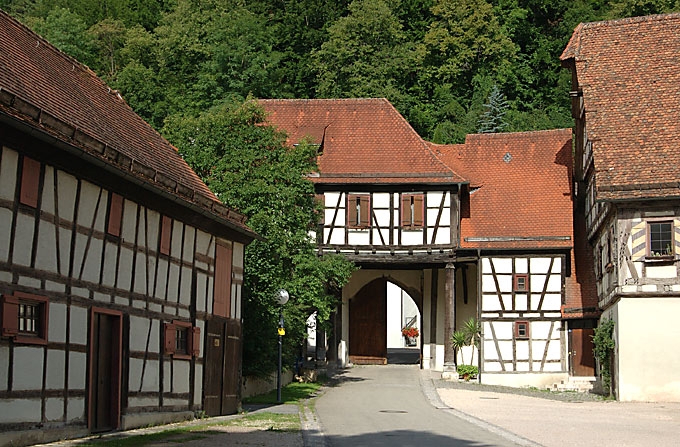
(639, 237)
(30, 179)
(418, 210)
(166, 227)
(170, 341)
(115, 213)
(195, 341)
(365, 210)
(10, 316)
(222, 293)
(352, 211)
(406, 210)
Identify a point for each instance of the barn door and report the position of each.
(105, 370)
(582, 358)
(368, 324)
(222, 368)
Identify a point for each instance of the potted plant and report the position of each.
(458, 341)
(467, 372)
(411, 333)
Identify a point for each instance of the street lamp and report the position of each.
(281, 298)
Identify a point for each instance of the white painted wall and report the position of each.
(400, 308)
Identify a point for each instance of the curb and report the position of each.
(430, 392)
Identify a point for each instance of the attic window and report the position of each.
(507, 157)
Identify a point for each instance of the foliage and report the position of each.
(493, 118)
(290, 394)
(458, 341)
(251, 169)
(603, 346)
(473, 335)
(410, 332)
(470, 370)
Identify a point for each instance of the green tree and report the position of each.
(250, 168)
(493, 118)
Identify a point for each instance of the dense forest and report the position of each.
(437, 61)
(188, 66)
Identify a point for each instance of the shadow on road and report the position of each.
(405, 438)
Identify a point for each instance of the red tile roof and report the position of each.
(48, 90)
(520, 189)
(629, 71)
(363, 141)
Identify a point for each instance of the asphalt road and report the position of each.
(385, 406)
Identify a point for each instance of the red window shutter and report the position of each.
(115, 213)
(418, 210)
(365, 210)
(10, 316)
(352, 211)
(406, 210)
(30, 180)
(196, 341)
(166, 226)
(222, 293)
(170, 338)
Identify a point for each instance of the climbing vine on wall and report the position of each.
(604, 345)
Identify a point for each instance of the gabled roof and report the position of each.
(629, 71)
(362, 141)
(47, 90)
(520, 189)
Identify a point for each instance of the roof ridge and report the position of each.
(491, 135)
(321, 99)
(632, 20)
(71, 59)
(422, 141)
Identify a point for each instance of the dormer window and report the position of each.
(412, 211)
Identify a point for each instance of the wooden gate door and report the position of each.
(582, 358)
(368, 324)
(105, 369)
(222, 366)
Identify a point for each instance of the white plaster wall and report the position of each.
(24, 233)
(180, 376)
(56, 366)
(28, 368)
(4, 367)
(539, 380)
(648, 339)
(77, 370)
(20, 410)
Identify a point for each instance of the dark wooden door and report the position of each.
(105, 352)
(232, 355)
(582, 359)
(368, 323)
(214, 361)
(223, 366)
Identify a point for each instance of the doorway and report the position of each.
(105, 369)
(222, 367)
(368, 324)
(581, 347)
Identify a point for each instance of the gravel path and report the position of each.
(564, 396)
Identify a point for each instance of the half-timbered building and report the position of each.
(626, 103)
(120, 271)
(482, 229)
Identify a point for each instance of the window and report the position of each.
(115, 214)
(25, 318)
(412, 211)
(30, 182)
(182, 340)
(521, 330)
(166, 227)
(521, 282)
(358, 210)
(660, 238)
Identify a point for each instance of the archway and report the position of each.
(402, 313)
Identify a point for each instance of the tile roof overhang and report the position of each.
(362, 141)
(520, 193)
(629, 72)
(48, 93)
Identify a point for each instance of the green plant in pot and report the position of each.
(467, 371)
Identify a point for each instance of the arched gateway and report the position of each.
(478, 230)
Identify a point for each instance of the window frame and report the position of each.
(193, 340)
(10, 311)
(518, 336)
(360, 223)
(408, 218)
(648, 248)
(515, 282)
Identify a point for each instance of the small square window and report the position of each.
(661, 238)
(521, 282)
(25, 318)
(182, 340)
(29, 314)
(521, 330)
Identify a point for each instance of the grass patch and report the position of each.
(290, 394)
(139, 440)
(267, 421)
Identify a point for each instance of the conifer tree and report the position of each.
(492, 120)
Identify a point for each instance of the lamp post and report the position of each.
(281, 298)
